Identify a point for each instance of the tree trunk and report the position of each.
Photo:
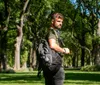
(73, 61)
(17, 48)
(97, 57)
(33, 58)
(3, 62)
(82, 49)
(82, 57)
(24, 66)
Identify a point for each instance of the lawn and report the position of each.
(30, 78)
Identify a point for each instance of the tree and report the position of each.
(4, 21)
(20, 36)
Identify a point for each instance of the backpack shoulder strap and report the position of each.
(54, 31)
(56, 34)
(59, 39)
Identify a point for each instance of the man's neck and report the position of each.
(53, 28)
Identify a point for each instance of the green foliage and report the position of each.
(88, 40)
(26, 45)
(38, 19)
(96, 39)
(2, 14)
(10, 57)
(11, 35)
(90, 68)
(78, 23)
(24, 56)
(1, 8)
(67, 60)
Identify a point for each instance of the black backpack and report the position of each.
(49, 60)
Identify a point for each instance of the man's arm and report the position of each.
(56, 47)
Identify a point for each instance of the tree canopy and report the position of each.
(24, 22)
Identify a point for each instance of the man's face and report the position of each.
(57, 23)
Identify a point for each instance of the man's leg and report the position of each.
(49, 81)
(59, 77)
(48, 78)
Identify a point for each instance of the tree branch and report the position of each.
(23, 12)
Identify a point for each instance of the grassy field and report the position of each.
(30, 78)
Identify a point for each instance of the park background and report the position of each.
(24, 22)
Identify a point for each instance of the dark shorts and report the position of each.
(56, 79)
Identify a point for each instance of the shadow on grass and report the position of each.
(25, 77)
(82, 76)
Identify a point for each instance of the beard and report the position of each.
(58, 27)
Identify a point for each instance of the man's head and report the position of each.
(57, 20)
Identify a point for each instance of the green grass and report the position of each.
(82, 78)
(30, 78)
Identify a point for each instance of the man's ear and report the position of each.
(52, 21)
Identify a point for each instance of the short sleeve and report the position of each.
(51, 35)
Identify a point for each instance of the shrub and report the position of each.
(90, 68)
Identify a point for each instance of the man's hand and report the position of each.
(66, 50)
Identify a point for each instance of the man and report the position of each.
(56, 23)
